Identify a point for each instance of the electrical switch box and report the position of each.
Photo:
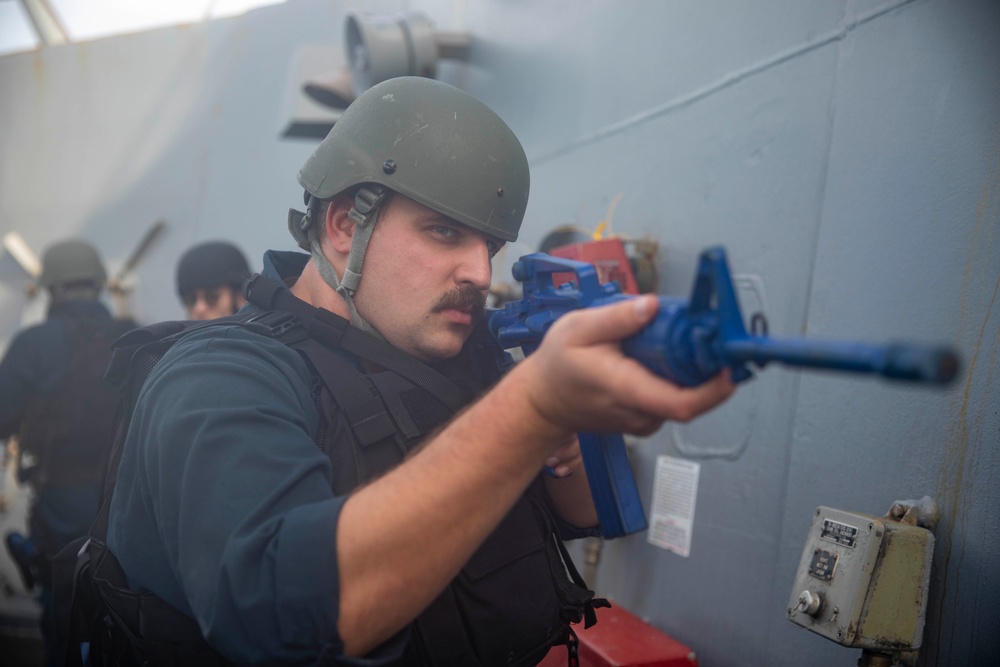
(863, 580)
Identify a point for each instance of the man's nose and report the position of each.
(200, 309)
(476, 268)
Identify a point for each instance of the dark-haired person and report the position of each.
(210, 280)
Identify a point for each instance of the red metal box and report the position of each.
(621, 639)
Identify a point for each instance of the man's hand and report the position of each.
(579, 379)
(566, 459)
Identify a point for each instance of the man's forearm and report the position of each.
(402, 538)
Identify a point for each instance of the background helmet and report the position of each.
(211, 264)
(432, 143)
(69, 262)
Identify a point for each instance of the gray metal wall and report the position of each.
(847, 154)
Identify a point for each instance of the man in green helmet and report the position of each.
(318, 493)
(53, 400)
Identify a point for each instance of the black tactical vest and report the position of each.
(514, 599)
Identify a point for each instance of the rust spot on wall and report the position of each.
(38, 66)
(961, 457)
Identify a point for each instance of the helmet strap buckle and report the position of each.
(366, 202)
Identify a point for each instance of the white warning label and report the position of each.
(674, 491)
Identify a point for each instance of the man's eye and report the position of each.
(444, 231)
(493, 247)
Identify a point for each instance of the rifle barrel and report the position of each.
(899, 361)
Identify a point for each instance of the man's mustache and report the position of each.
(462, 298)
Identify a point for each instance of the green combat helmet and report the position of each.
(69, 263)
(423, 139)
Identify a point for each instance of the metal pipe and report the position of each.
(47, 24)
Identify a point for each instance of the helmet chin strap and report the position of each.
(329, 275)
(364, 213)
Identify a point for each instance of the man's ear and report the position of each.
(338, 225)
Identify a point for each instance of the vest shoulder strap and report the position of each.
(357, 397)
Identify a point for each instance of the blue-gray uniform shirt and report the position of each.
(223, 505)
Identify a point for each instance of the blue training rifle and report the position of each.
(688, 343)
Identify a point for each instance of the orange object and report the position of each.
(608, 257)
(621, 639)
